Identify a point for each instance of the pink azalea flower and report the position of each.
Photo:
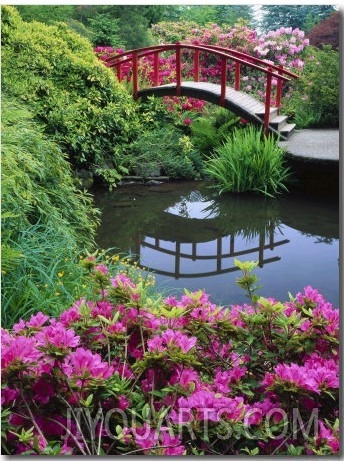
(328, 437)
(122, 281)
(172, 443)
(20, 349)
(171, 338)
(5, 337)
(294, 374)
(8, 395)
(38, 320)
(185, 378)
(70, 316)
(17, 327)
(57, 335)
(178, 339)
(101, 268)
(146, 437)
(117, 328)
(123, 402)
(83, 364)
(104, 308)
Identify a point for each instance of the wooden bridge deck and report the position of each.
(238, 102)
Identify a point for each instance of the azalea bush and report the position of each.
(120, 372)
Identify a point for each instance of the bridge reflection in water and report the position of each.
(224, 249)
(184, 230)
(192, 255)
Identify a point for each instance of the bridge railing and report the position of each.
(225, 56)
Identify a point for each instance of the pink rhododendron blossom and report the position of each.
(37, 320)
(104, 308)
(326, 435)
(20, 350)
(171, 338)
(294, 374)
(185, 378)
(208, 406)
(69, 316)
(122, 281)
(83, 365)
(224, 378)
(57, 335)
(255, 413)
(146, 437)
(8, 395)
(228, 377)
(102, 269)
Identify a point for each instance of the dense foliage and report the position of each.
(79, 101)
(315, 101)
(45, 217)
(121, 373)
(297, 16)
(326, 32)
(249, 161)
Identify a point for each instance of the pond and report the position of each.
(189, 237)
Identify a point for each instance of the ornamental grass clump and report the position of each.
(121, 373)
(249, 161)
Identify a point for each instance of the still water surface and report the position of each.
(190, 237)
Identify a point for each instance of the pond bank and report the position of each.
(313, 155)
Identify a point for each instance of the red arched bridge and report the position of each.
(233, 67)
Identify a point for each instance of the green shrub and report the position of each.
(209, 131)
(315, 99)
(105, 31)
(249, 161)
(37, 183)
(164, 148)
(78, 99)
(45, 217)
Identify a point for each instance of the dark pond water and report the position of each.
(190, 237)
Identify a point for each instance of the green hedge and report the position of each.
(77, 98)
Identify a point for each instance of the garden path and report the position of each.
(314, 145)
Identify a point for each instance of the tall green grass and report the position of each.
(249, 161)
(45, 277)
(45, 219)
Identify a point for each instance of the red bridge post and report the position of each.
(267, 101)
(135, 75)
(223, 80)
(178, 68)
(156, 69)
(279, 89)
(237, 76)
(196, 66)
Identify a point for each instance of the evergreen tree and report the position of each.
(47, 14)
(230, 14)
(303, 17)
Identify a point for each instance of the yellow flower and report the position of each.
(60, 274)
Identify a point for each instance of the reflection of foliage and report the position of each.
(238, 215)
(320, 239)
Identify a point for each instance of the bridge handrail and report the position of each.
(225, 54)
(279, 68)
(220, 51)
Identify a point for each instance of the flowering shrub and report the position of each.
(283, 46)
(124, 374)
